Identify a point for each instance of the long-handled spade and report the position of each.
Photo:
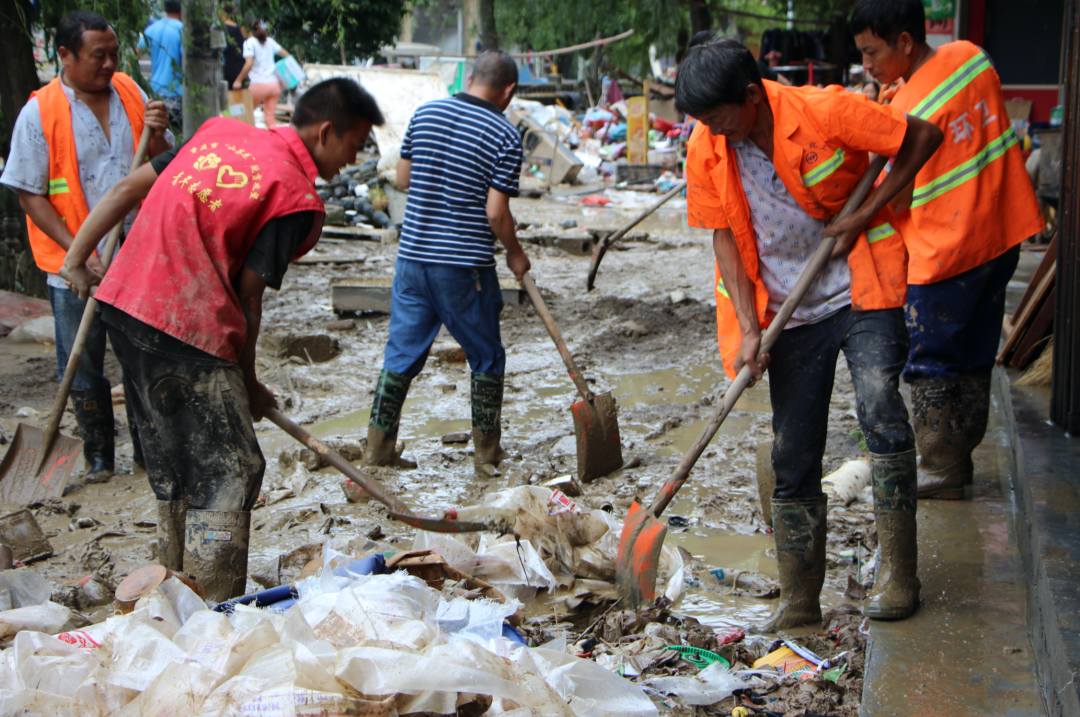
(596, 422)
(38, 463)
(643, 533)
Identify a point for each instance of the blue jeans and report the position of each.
(467, 301)
(955, 324)
(801, 372)
(68, 310)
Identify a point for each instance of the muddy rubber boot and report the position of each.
(382, 445)
(94, 414)
(136, 444)
(216, 551)
(487, 398)
(975, 398)
(800, 529)
(171, 522)
(896, 585)
(938, 415)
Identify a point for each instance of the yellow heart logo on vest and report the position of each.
(229, 179)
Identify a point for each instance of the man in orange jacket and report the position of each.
(72, 142)
(963, 220)
(768, 168)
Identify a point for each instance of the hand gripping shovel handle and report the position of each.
(820, 258)
(84, 326)
(606, 242)
(549, 322)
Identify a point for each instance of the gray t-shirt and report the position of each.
(101, 163)
(787, 238)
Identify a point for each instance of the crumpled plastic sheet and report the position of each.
(365, 645)
(713, 684)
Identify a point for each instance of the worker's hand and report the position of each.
(238, 85)
(94, 264)
(156, 117)
(82, 278)
(748, 356)
(846, 230)
(259, 397)
(518, 262)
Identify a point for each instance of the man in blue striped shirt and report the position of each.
(460, 160)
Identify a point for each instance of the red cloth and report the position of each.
(176, 269)
(662, 124)
(595, 200)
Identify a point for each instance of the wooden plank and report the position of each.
(1029, 312)
(1048, 258)
(1041, 326)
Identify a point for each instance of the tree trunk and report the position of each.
(202, 64)
(489, 37)
(700, 17)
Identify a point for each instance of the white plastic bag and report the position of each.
(707, 687)
(48, 618)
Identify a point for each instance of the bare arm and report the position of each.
(124, 196)
(404, 172)
(741, 292)
(921, 140)
(250, 288)
(502, 223)
(238, 83)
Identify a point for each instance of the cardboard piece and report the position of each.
(240, 106)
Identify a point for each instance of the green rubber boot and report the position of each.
(896, 585)
(487, 398)
(800, 529)
(382, 444)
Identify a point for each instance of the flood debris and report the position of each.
(20, 531)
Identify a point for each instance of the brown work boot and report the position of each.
(800, 529)
(171, 528)
(943, 436)
(383, 448)
(488, 452)
(895, 594)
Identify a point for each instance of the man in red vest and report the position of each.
(73, 140)
(963, 220)
(183, 306)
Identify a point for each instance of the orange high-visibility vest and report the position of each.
(820, 142)
(973, 199)
(65, 189)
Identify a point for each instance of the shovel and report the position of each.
(39, 463)
(643, 534)
(596, 423)
(602, 245)
(493, 520)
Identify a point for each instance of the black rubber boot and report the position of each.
(487, 398)
(216, 551)
(896, 584)
(938, 415)
(94, 414)
(801, 530)
(382, 445)
(171, 524)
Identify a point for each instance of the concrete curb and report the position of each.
(1053, 587)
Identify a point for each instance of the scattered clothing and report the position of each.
(165, 40)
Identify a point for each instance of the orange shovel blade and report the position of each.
(638, 563)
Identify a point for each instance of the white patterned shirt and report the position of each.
(787, 238)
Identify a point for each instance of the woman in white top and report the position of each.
(260, 53)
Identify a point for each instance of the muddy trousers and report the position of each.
(801, 373)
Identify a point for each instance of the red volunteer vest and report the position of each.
(196, 227)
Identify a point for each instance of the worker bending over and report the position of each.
(460, 161)
(963, 220)
(768, 167)
(183, 305)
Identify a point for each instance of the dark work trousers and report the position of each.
(955, 323)
(194, 422)
(801, 372)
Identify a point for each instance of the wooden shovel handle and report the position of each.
(817, 263)
(549, 322)
(77, 346)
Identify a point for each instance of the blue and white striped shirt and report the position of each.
(459, 147)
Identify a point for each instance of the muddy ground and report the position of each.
(647, 333)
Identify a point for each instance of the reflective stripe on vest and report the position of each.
(819, 173)
(966, 171)
(720, 289)
(882, 231)
(58, 186)
(953, 84)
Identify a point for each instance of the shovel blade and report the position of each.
(599, 448)
(19, 483)
(638, 562)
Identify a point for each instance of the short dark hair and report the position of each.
(340, 100)
(495, 68)
(888, 19)
(704, 37)
(229, 9)
(70, 29)
(715, 74)
(172, 6)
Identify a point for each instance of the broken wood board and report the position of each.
(578, 243)
(373, 294)
(1027, 315)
